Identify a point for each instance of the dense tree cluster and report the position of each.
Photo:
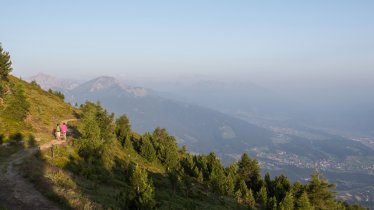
(95, 143)
(241, 180)
(56, 93)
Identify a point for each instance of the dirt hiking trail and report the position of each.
(15, 191)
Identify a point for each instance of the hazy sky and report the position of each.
(270, 41)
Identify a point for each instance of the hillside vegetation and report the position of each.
(109, 166)
(28, 110)
(106, 165)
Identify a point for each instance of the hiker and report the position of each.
(58, 132)
(64, 130)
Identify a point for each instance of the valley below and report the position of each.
(281, 145)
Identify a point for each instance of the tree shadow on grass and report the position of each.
(31, 141)
(34, 170)
(2, 138)
(76, 114)
(16, 138)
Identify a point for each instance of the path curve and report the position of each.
(15, 191)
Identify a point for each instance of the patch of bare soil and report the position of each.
(15, 191)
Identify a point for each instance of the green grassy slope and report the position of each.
(97, 170)
(45, 111)
(53, 177)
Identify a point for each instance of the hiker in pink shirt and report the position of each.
(64, 130)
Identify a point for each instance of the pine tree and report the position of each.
(188, 165)
(187, 184)
(166, 147)
(262, 196)
(142, 189)
(88, 126)
(105, 122)
(287, 203)
(231, 172)
(272, 203)
(269, 185)
(200, 177)
(102, 122)
(5, 64)
(147, 150)
(18, 106)
(249, 199)
(230, 184)
(238, 196)
(303, 203)
(319, 192)
(128, 143)
(297, 189)
(217, 178)
(249, 171)
(123, 128)
(174, 179)
(282, 186)
(242, 188)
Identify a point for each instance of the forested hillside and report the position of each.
(106, 165)
(110, 166)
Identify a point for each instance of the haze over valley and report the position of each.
(288, 83)
(211, 115)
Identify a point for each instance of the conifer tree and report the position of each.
(188, 165)
(242, 189)
(230, 184)
(262, 197)
(231, 178)
(269, 185)
(272, 203)
(282, 186)
(249, 171)
(217, 178)
(5, 64)
(287, 203)
(200, 177)
(319, 192)
(196, 171)
(142, 189)
(238, 196)
(88, 125)
(123, 128)
(174, 179)
(18, 106)
(217, 182)
(302, 203)
(297, 189)
(128, 143)
(249, 199)
(187, 184)
(166, 147)
(90, 144)
(147, 150)
(105, 122)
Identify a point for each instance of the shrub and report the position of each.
(55, 92)
(17, 106)
(35, 83)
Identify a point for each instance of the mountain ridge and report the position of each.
(48, 163)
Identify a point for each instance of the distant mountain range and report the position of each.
(280, 149)
(344, 110)
(50, 82)
(203, 129)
